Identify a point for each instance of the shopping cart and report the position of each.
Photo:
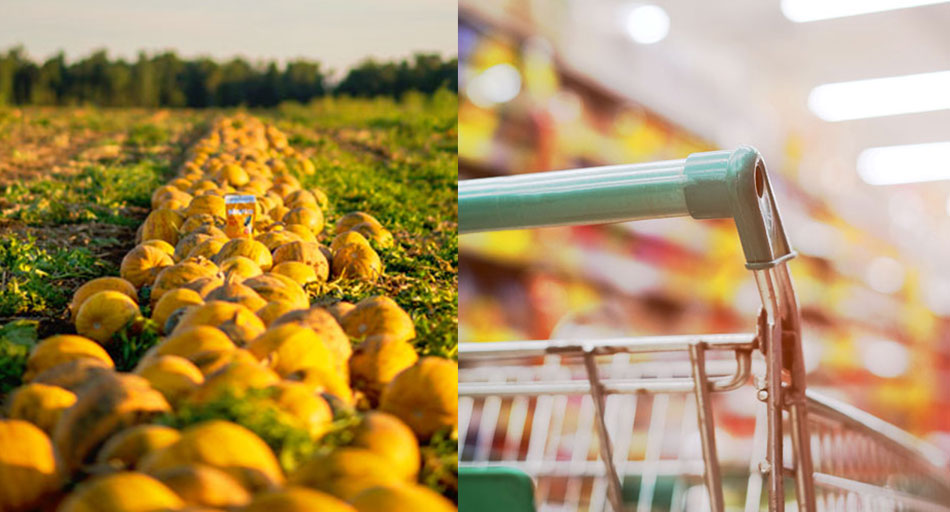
(630, 421)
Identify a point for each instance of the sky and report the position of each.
(338, 33)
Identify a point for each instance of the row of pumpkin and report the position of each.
(235, 318)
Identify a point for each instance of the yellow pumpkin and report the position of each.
(290, 347)
(211, 204)
(386, 435)
(127, 492)
(233, 175)
(223, 445)
(347, 238)
(401, 498)
(126, 448)
(204, 224)
(324, 379)
(231, 373)
(252, 249)
(104, 314)
(204, 285)
(345, 472)
(190, 341)
(424, 396)
(173, 376)
(356, 261)
(301, 402)
(171, 301)
(297, 499)
(233, 291)
(377, 361)
(98, 285)
(274, 239)
(235, 320)
(28, 465)
(162, 224)
(142, 264)
(187, 243)
(204, 486)
(327, 328)
(379, 315)
(166, 193)
(208, 249)
(346, 222)
(162, 245)
(300, 198)
(180, 274)
(340, 309)
(60, 349)
(302, 273)
(71, 375)
(305, 234)
(273, 310)
(40, 404)
(311, 217)
(304, 252)
(241, 266)
(108, 403)
(277, 287)
(374, 232)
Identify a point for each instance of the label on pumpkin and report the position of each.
(239, 210)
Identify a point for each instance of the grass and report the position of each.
(99, 193)
(16, 340)
(40, 280)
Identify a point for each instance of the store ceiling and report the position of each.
(739, 72)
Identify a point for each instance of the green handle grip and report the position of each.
(713, 185)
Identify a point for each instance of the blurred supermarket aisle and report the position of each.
(570, 83)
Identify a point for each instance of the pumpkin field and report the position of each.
(167, 345)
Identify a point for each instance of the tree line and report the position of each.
(167, 80)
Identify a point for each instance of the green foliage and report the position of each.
(147, 134)
(255, 410)
(34, 279)
(440, 461)
(132, 342)
(100, 193)
(17, 338)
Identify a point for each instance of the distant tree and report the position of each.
(166, 80)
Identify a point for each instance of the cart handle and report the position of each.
(711, 185)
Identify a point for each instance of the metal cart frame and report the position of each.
(712, 185)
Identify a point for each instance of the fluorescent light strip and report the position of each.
(801, 11)
(914, 163)
(880, 97)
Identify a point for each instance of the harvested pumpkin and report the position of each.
(233, 291)
(188, 242)
(209, 204)
(287, 348)
(378, 234)
(204, 486)
(181, 273)
(235, 375)
(141, 265)
(162, 224)
(379, 315)
(345, 472)
(347, 238)
(127, 491)
(340, 309)
(40, 404)
(173, 376)
(100, 284)
(211, 361)
(356, 261)
(171, 301)
(161, 245)
(104, 314)
(124, 449)
(386, 435)
(323, 379)
(251, 249)
(274, 239)
(208, 248)
(297, 499)
(225, 446)
(105, 405)
(304, 252)
(424, 396)
(235, 320)
(60, 349)
(302, 273)
(73, 374)
(301, 402)
(276, 287)
(326, 327)
(189, 341)
(301, 231)
(346, 222)
(377, 361)
(241, 266)
(401, 498)
(309, 216)
(28, 465)
(204, 285)
(273, 310)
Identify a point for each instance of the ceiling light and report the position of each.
(881, 96)
(647, 24)
(801, 11)
(913, 163)
(497, 84)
